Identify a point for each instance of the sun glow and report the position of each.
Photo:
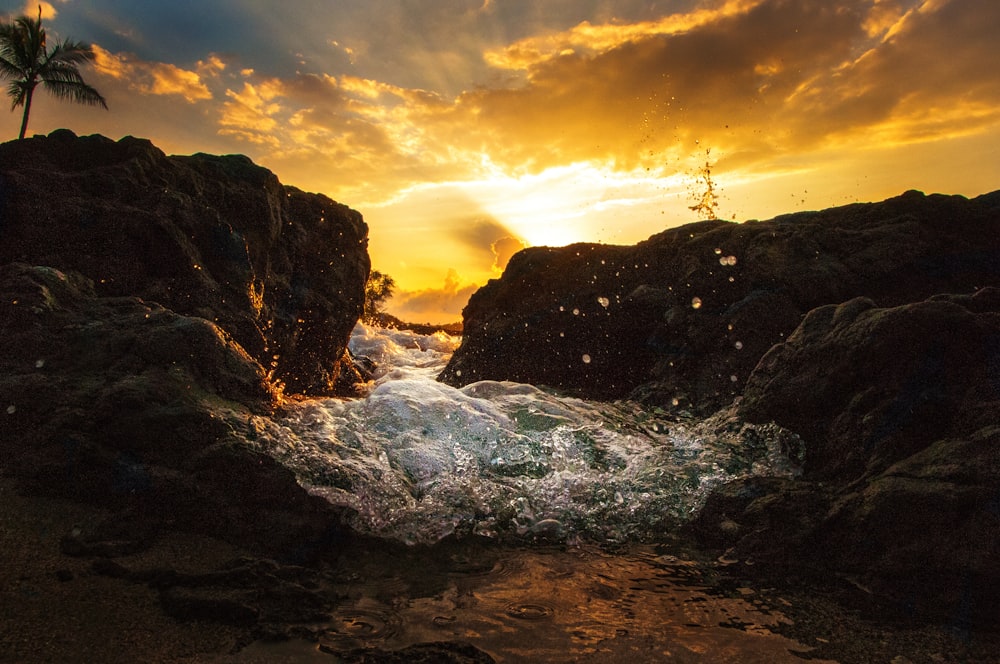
(556, 206)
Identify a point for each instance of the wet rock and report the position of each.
(681, 319)
(445, 652)
(119, 402)
(280, 271)
(866, 386)
(225, 606)
(897, 410)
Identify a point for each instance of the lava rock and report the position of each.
(119, 402)
(867, 387)
(680, 320)
(897, 408)
(282, 272)
(438, 652)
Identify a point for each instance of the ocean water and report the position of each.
(417, 460)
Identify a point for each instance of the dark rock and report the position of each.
(229, 607)
(282, 272)
(610, 321)
(866, 387)
(897, 408)
(119, 402)
(443, 652)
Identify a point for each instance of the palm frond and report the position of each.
(76, 90)
(17, 93)
(70, 52)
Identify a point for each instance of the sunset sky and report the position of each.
(465, 129)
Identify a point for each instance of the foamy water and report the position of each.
(418, 460)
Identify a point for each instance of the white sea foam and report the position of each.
(418, 460)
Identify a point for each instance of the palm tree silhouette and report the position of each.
(26, 62)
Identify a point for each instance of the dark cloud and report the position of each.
(481, 233)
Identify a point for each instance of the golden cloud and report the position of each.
(586, 37)
(503, 250)
(435, 305)
(754, 78)
(250, 113)
(32, 8)
(153, 78)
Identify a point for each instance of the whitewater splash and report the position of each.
(418, 460)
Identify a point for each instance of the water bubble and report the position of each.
(718, 251)
(576, 312)
(696, 303)
(727, 260)
(738, 345)
(586, 358)
(603, 301)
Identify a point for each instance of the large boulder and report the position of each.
(681, 319)
(118, 402)
(867, 387)
(216, 237)
(898, 411)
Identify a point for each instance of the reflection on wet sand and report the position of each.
(555, 605)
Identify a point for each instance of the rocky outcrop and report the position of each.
(681, 319)
(868, 387)
(898, 409)
(151, 309)
(122, 403)
(218, 238)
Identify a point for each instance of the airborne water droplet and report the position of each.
(586, 358)
(696, 303)
(603, 301)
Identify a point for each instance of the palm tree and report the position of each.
(25, 61)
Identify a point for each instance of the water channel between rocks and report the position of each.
(550, 484)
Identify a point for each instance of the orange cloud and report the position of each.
(503, 250)
(586, 37)
(433, 305)
(250, 113)
(31, 8)
(152, 78)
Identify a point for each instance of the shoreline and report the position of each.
(56, 607)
